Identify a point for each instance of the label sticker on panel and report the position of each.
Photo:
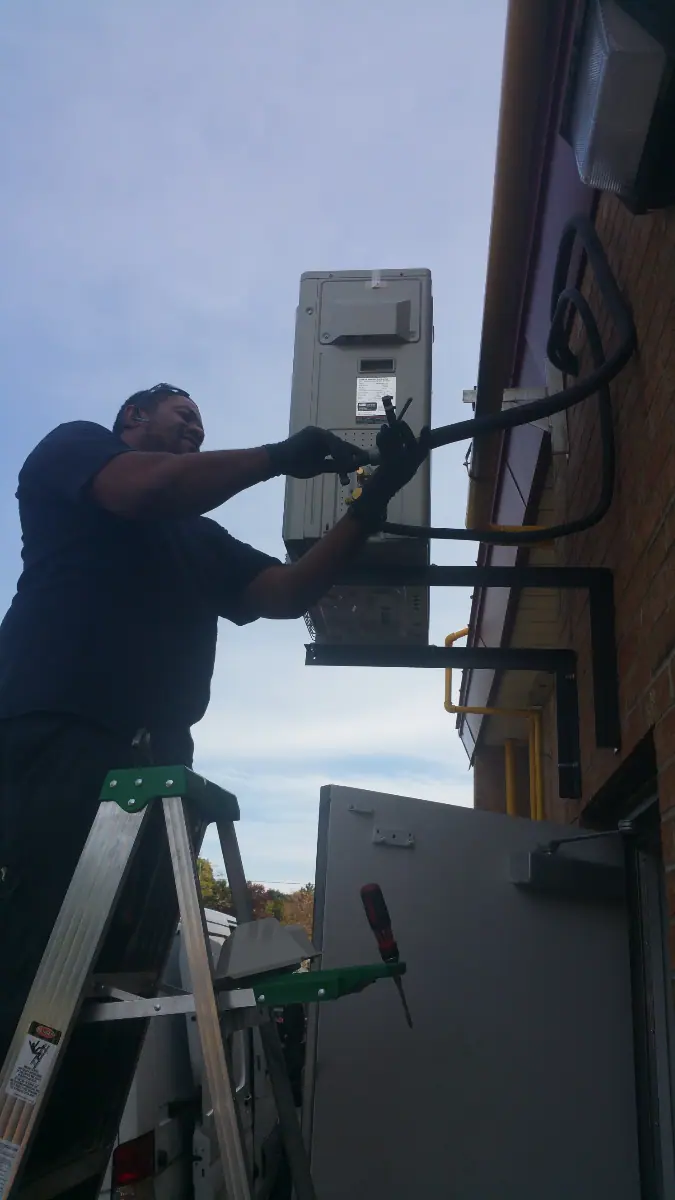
(34, 1063)
(369, 392)
(8, 1153)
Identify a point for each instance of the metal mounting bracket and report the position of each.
(597, 581)
(561, 663)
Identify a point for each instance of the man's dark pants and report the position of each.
(51, 771)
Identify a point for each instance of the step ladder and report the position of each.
(67, 991)
(67, 1073)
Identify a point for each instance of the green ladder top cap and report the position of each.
(305, 987)
(133, 788)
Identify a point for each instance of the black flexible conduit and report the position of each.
(564, 300)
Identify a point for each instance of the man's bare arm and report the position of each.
(145, 485)
(287, 591)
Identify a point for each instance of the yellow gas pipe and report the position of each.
(533, 716)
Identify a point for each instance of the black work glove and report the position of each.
(401, 454)
(312, 451)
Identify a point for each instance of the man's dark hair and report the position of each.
(148, 401)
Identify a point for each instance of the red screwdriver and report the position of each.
(380, 923)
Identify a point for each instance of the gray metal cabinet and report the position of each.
(518, 1079)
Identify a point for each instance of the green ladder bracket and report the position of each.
(306, 987)
(133, 788)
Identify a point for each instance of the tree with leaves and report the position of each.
(299, 908)
(289, 908)
(216, 892)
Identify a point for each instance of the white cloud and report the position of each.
(281, 846)
(316, 711)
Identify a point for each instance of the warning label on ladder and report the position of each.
(8, 1153)
(33, 1064)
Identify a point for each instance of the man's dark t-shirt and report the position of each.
(114, 620)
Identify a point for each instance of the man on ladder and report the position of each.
(107, 651)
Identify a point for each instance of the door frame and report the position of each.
(653, 1015)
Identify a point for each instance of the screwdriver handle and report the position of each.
(380, 921)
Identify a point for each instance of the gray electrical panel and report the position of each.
(362, 335)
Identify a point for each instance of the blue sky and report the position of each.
(169, 171)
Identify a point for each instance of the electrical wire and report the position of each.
(564, 300)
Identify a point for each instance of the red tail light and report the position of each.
(133, 1161)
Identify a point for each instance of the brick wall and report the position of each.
(637, 538)
(489, 781)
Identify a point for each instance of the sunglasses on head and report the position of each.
(167, 387)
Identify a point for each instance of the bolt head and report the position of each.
(157, 1007)
(138, 782)
(261, 999)
(113, 783)
(169, 783)
(321, 992)
(131, 802)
